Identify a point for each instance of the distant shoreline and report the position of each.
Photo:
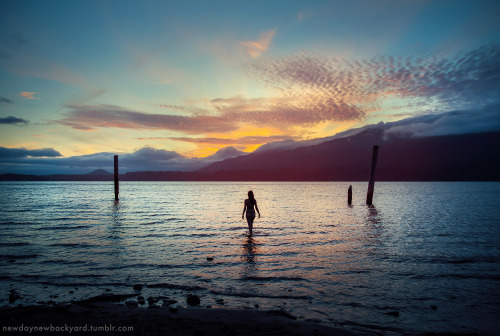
(255, 176)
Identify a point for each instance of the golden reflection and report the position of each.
(249, 256)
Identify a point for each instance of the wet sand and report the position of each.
(118, 319)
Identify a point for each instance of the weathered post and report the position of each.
(117, 188)
(371, 182)
(349, 195)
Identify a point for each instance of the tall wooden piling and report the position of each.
(349, 195)
(371, 182)
(117, 187)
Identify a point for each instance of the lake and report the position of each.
(424, 258)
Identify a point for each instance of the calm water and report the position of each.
(430, 251)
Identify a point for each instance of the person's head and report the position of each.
(250, 196)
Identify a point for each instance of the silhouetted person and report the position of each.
(250, 206)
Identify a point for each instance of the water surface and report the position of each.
(428, 251)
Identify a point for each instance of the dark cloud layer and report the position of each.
(5, 101)
(13, 120)
(8, 153)
(481, 120)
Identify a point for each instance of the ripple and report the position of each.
(15, 244)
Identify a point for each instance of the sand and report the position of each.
(117, 319)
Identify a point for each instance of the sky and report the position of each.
(174, 85)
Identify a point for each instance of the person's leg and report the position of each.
(250, 219)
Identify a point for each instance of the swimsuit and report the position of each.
(250, 209)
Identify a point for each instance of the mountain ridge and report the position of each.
(465, 157)
(400, 158)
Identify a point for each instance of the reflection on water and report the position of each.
(115, 229)
(115, 213)
(420, 246)
(250, 249)
(373, 215)
(249, 257)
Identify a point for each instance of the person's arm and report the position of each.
(257, 208)
(244, 208)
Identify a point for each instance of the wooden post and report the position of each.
(371, 182)
(117, 188)
(349, 195)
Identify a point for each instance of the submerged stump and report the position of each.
(371, 182)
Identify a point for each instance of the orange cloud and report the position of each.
(256, 48)
(29, 95)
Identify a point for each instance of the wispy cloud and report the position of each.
(246, 140)
(6, 101)
(29, 95)
(255, 48)
(13, 120)
(86, 117)
(299, 110)
(222, 115)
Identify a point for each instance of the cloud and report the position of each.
(312, 89)
(223, 154)
(281, 145)
(6, 101)
(152, 154)
(223, 115)
(255, 48)
(481, 120)
(152, 159)
(485, 119)
(454, 80)
(13, 120)
(29, 95)
(48, 161)
(301, 110)
(90, 117)
(8, 153)
(246, 140)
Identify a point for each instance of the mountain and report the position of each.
(474, 157)
(462, 157)
(99, 172)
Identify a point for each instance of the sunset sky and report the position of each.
(166, 83)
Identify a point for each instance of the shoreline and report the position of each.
(101, 317)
